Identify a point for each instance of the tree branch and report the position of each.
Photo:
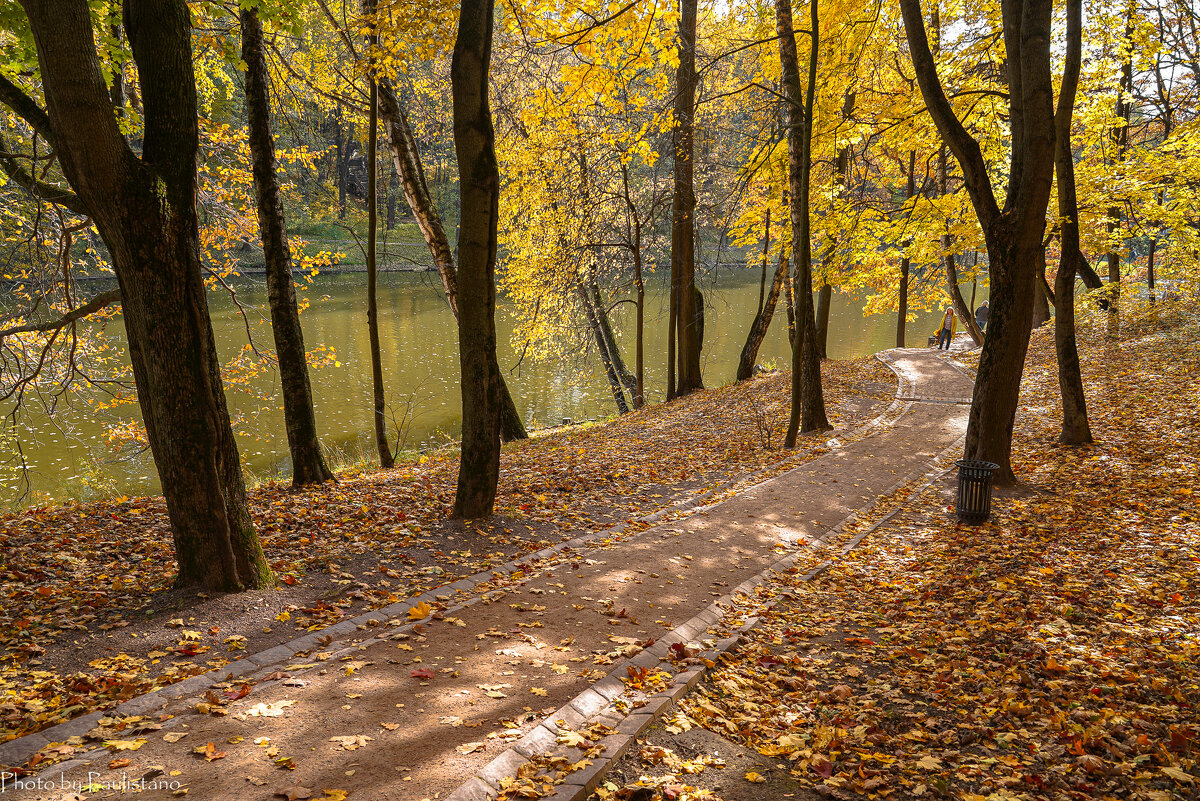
(966, 150)
(42, 190)
(26, 108)
(94, 305)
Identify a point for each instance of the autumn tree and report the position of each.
(808, 401)
(1075, 428)
(308, 463)
(1013, 232)
(144, 208)
(475, 147)
(683, 317)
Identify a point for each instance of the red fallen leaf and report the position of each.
(215, 630)
(864, 641)
(422, 673)
(1179, 740)
(288, 579)
(241, 691)
(672, 792)
(821, 764)
(118, 763)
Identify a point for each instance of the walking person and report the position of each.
(946, 331)
(981, 317)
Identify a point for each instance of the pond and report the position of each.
(70, 456)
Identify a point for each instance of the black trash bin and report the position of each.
(974, 503)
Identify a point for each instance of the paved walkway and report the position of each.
(419, 715)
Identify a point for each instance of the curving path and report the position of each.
(456, 693)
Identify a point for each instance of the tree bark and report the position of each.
(1075, 427)
(407, 158)
(639, 395)
(1013, 234)
(824, 298)
(762, 281)
(590, 309)
(808, 401)
(910, 189)
(628, 380)
(379, 402)
(672, 324)
(1041, 299)
(634, 231)
(789, 297)
(683, 234)
(308, 463)
(479, 176)
(145, 211)
(762, 321)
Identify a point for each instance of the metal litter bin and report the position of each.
(974, 502)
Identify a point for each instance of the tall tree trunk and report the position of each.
(1150, 268)
(762, 321)
(824, 298)
(1075, 428)
(339, 164)
(683, 234)
(407, 159)
(639, 395)
(628, 380)
(672, 324)
(1041, 300)
(762, 281)
(144, 208)
(906, 262)
(308, 464)
(379, 402)
(634, 232)
(479, 176)
(604, 346)
(808, 401)
(1013, 233)
(789, 296)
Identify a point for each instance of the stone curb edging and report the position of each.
(18, 751)
(486, 784)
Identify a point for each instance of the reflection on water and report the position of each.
(69, 456)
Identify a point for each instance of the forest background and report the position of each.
(609, 142)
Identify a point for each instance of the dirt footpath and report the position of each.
(414, 715)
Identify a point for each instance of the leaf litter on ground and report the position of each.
(78, 577)
(1051, 653)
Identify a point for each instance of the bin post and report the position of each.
(974, 502)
